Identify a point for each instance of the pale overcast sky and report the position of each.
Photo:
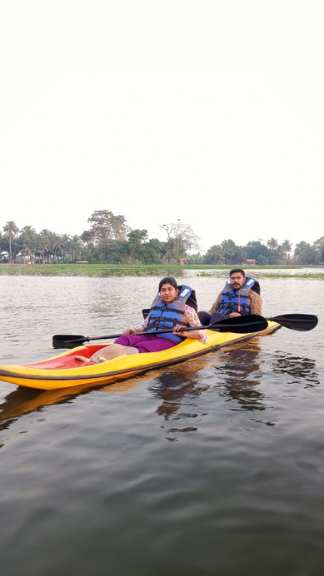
(210, 112)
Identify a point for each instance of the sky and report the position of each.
(209, 112)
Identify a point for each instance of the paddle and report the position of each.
(302, 322)
(238, 325)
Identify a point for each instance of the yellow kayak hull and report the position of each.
(64, 370)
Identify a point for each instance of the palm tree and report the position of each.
(75, 248)
(229, 248)
(272, 244)
(215, 254)
(10, 229)
(273, 247)
(87, 239)
(56, 243)
(286, 248)
(28, 239)
(43, 243)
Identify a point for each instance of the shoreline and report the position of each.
(106, 270)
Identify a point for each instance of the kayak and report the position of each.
(65, 370)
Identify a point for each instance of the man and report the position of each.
(240, 296)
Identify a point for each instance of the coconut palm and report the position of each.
(56, 243)
(272, 244)
(10, 229)
(43, 243)
(215, 254)
(286, 248)
(75, 248)
(28, 240)
(229, 247)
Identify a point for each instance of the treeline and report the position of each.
(110, 240)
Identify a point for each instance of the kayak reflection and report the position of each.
(25, 400)
(240, 373)
(178, 391)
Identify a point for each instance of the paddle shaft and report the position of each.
(215, 326)
(239, 324)
(301, 324)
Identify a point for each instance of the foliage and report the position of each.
(110, 240)
(106, 226)
(255, 249)
(215, 255)
(181, 239)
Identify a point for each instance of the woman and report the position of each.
(168, 310)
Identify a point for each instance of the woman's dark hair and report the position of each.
(168, 280)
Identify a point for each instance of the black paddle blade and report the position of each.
(301, 322)
(68, 340)
(56, 344)
(241, 324)
(68, 337)
(72, 340)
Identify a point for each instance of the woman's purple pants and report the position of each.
(145, 343)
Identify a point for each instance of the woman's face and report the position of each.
(168, 293)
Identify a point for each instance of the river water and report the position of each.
(211, 467)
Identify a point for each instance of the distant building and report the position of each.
(184, 261)
(250, 262)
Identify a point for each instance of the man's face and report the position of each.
(237, 280)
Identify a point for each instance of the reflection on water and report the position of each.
(172, 387)
(241, 374)
(25, 400)
(181, 467)
(237, 375)
(302, 370)
(180, 382)
(179, 389)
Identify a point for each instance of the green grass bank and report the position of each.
(105, 270)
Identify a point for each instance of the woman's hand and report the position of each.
(131, 331)
(186, 334)
(178, 329)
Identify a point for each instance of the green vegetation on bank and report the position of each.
(106, 270)
(110, 240)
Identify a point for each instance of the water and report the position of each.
(213, 466)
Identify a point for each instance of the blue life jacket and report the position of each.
(237, 300)
(163, 316)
